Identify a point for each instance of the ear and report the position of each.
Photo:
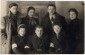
(42, 30)
(18, 32)
(60, 27)
(9, 9)
(47, 11)
(35, 31)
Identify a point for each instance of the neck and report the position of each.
(57, 35)
(30, 16)
(39, 36)
(51, 14)
(20, 36)
(12, 13)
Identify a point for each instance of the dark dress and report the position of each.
(47, 25)
(39, 45)
(30, 24)
(21, 42)
(76, 36)
(60, 43)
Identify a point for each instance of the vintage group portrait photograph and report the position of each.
(42, 27)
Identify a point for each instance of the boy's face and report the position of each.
(31, 13)
(22, 31)
(39, 32)
(72, 15)
(51, 10)
(13, 9)
(56, 29)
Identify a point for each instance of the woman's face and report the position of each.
(31, 13)
(22, 31)
(72, 15)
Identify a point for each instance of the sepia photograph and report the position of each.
(42, 27)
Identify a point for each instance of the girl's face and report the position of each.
(56, 29)
(31, 13)
(72, 15)
(22, 31)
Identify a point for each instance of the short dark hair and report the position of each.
(29, 8)
(74, 10)
(13, 4)
(21, 26)
(52, 5)
(56, 24)
(38, 26)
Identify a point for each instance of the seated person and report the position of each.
(38, 42)
(58, 42)
(18, 43)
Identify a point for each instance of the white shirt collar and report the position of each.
(52, 16)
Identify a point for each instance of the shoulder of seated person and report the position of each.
(31, 36)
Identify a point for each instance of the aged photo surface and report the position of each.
(42, 27)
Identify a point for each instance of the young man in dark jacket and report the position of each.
(9, 27)
(39, 42)
(50, 18)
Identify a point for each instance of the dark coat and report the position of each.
(36, 43)
(28, 22)
(47, 25)
(76, 35)
(59, 43)
(20, 41)
(9, 28)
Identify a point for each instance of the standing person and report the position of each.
(9, 26)
(30, 21)
(38, 43)
(76, 32)
(51, 17)
(58, 42)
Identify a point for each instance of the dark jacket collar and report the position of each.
(10, 13)
(60, 34)
(29, 17)
(35, 36)
(18, 36)
(75, 19)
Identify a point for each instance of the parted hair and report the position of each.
(13, 4)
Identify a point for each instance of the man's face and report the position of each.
(39, 32)
(22, 31)
(56, 29)
(13, 9)
(72, 15)
(51, 10)
(31, 13)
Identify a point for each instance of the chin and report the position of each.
(22, 35)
